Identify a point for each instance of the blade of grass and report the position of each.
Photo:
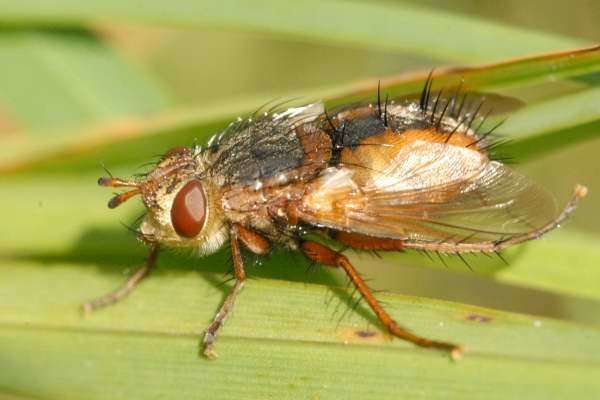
(536, 146)
(283, 340)
(63, 80)
(55, 82)
(577, 109)
(153, 135)
(387, 26)
(564, 262)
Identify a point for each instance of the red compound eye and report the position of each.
(189, 210)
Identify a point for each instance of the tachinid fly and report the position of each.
(402, 174)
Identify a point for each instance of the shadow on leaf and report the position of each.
(114, 250)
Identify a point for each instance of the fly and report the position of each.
(401, 174)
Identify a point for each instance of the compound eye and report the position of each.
(189, 210)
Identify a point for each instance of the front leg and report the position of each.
(127, 287)
(255, 243)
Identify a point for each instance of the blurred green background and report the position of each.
(86, 84)
(64, 73)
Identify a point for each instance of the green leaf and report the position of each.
(550, 124)
(54, 83)
(153, 135)
(284, 339)
(398, 27)
(63, 79)
(563, 262)
(567, 262)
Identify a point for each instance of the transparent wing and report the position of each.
(430, 192)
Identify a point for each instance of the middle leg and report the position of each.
(258, 245)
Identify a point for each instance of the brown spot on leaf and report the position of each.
(365, 334)
(478, 318)
(353, 335)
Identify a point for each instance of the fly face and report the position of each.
(402, 174)
(180, 202)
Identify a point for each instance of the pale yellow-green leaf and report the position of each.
(375, 25)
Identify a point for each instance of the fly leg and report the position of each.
(253, 242)
(128, 286)
(324, 255)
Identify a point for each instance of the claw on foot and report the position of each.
(456, 353)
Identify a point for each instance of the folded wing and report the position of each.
(426, 192)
